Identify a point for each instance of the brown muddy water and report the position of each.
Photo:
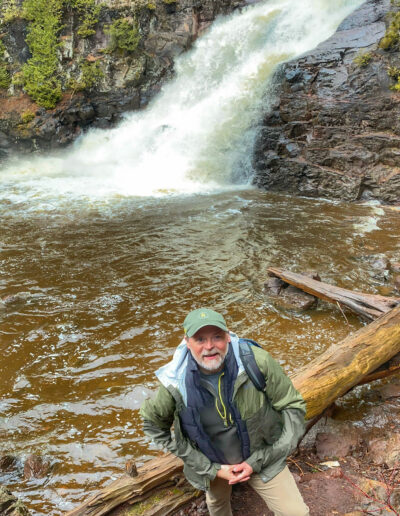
(108, 286)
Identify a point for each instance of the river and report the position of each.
(116, 239)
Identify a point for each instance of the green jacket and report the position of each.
(274, 420)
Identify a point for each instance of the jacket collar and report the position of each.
(173, 374)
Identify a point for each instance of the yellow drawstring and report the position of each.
(222, 414)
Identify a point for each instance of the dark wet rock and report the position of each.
(289, 297)
(10, 505)
(274, 286)
(292, 298)
(329, 445)
(380, 263)
(36, 467)
(295, 298)
(333, 131)
(16, 299)
(8, 462)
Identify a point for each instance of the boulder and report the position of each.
(8, 462)
(36, 466)
(329, 445)
(10, 505)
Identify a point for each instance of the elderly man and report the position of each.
(226, 429)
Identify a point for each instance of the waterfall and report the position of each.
(197, 135)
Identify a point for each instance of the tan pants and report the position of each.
(280, 494)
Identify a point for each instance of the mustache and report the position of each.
(210, 353)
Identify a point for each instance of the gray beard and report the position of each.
(211, 367)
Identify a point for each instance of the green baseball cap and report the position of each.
(202, 317)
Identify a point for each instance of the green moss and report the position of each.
(124, 35)
(18, 79)
(170, 1)
(27, 116)
(363, 60)
(90, 75)
(394, 73)
(5, 80)
(40, 74)
(151, 6)
(89, 13)
(141, 507)
(392, 36)
(12, 12)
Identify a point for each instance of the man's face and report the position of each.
(209, 346)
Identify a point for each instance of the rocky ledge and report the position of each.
(334, 130)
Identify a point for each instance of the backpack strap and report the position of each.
(250, 364)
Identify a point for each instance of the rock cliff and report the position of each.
(334, 130)
(84, 63)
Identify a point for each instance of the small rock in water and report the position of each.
(380, 263)
(16, 299)
(36, 466)
(274, 286)
(294, 298)
(8, 462)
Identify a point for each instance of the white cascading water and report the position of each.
(197, 134)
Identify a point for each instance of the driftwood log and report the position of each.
(368, 306)
(158, 490)
(342, 366)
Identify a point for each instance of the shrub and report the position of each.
(27, 116)
(40, 78)
(90, 75)
(124, 35)
(89, 13)
(12, 12)
(394, 73)
(363, 59)
(391, 38)
(5, 80)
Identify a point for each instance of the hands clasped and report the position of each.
(235, 473)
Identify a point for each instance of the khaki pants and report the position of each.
(280, 494)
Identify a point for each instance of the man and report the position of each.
(226, 430)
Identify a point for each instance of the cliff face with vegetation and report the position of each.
(335, 128)
(69, 64)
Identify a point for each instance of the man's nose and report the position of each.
(208, 344)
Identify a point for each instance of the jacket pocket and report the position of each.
(264, 427)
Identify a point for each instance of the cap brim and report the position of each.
(218, 324)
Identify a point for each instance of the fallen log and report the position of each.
(321, 381)
(158, 490)
(344, 365)
(368, 306)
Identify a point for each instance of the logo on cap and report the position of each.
(203, 315)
